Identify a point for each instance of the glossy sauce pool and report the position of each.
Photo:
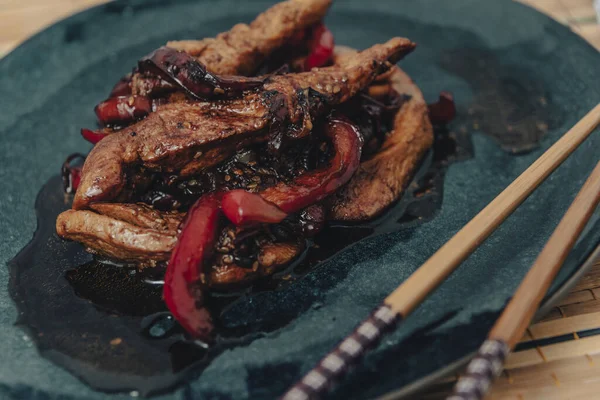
(108, 325)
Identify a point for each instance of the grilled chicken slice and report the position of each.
(271, 257)
(114, 238)
(142, 215)
(381, 180)
(241, 50)
(176, 135)
(139, 234)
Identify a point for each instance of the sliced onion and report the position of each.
(188, 73)
(321, 48)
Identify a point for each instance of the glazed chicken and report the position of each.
(220, 157)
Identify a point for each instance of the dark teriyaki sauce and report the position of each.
(107, 324)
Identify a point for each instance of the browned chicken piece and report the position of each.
(142, 215)
(139, 234)
(275, 255)
(241, 50)
(349, 75)
(271, 257)
(381, 180)
(173, 137)
(113, 238)
(177, 135)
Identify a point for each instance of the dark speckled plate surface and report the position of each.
(509, 67)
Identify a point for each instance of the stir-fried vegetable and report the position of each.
(321, 47)
(123, 109)
(189, 74)
(184, 279)
(309, 188)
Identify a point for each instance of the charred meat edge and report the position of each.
(171, 137)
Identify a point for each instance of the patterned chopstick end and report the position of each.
(481, 371)
(349, 352)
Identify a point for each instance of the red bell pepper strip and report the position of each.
(123, 109)
(242, 207)
(71, 174)
(122, 88)
(184, 284)
(444, 110)
(92, 136)
(307, 189)
(321, 47)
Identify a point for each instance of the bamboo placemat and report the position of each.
(559, 357)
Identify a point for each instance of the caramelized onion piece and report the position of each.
(191, 75)
(444, 110)
(309, 188)
(123, 109)
(184, 278)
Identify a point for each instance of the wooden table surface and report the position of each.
(563, 358)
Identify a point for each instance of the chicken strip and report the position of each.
(142, 215)
(241, 50)
(381, 180)
(116, 239)
(175, 135)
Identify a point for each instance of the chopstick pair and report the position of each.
(510, 327)
(402, 301)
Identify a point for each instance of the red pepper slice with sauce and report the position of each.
(321, 47)
(272, 204)
(241, 207)
(71, 174)
(123, 109)
(122, 88)
(92, 136)
(184, 278)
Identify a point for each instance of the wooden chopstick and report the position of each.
(436, 269)
(402, 301)
(510, 327)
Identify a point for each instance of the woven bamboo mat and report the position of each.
(559, 357)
